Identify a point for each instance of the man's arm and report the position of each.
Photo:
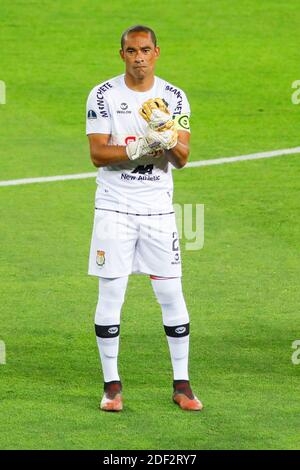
(103, 154)
(179, 154)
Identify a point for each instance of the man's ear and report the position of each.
(157, 52)
(122, 54)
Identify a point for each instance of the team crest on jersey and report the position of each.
(100, 258)
(91, 114)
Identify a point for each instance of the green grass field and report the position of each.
(236, 61)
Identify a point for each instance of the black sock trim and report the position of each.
(107, 384)
(177, 331)
(177, 382)
(183, 386)
(109, 331)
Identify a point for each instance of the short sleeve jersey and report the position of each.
(144, 185)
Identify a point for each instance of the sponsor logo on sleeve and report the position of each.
(91, 114)
(182, 122)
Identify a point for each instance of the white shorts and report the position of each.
(126, 243)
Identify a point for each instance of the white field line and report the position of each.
(217, 161)
(46, 179)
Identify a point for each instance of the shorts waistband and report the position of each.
(132, 213)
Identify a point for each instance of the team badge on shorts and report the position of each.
(100, 258)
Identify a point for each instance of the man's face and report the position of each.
(139, 54)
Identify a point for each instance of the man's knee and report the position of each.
(110, 301)
(169, 295)
(167, 290)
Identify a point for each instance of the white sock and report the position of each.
(107, 324)
(176, 323)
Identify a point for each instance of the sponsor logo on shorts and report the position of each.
(100, 258)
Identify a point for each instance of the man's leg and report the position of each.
(169, 295)
(107, 326)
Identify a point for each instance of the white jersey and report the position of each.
(144, 185)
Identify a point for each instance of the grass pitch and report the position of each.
(236, 61)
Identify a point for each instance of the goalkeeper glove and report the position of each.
(148, 145)
(156, 114)
(167, 138)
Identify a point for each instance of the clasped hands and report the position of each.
(161, 133)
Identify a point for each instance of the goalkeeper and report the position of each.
(138, 127)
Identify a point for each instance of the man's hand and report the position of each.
(166, 138)
(156, 114)
(162, 133)
(143, 146)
